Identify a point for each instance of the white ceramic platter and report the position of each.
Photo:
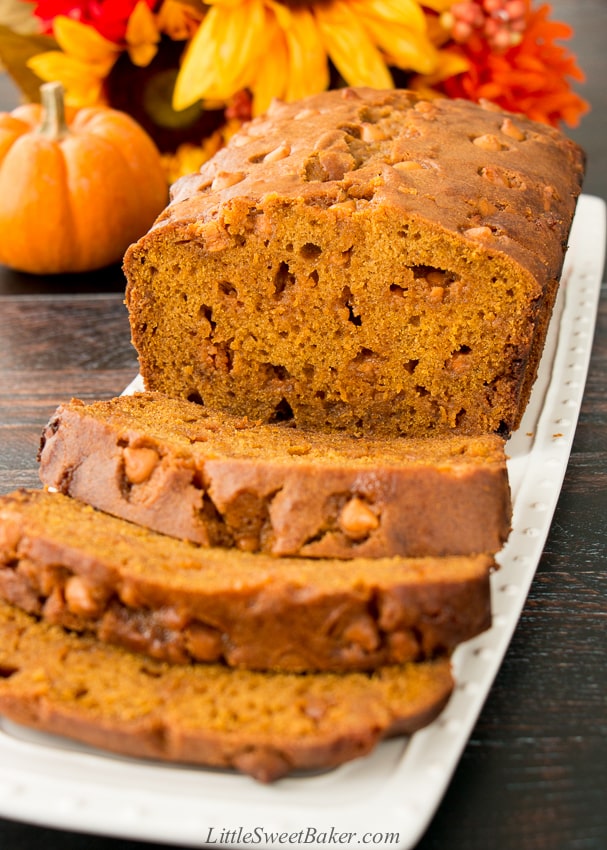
(389, 797)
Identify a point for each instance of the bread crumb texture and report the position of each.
(363, 260)
(219, 480)
(73, 566)
(265, 725)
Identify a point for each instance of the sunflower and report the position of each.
(285, 48)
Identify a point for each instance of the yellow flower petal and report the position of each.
(82, 67)
(244, 39)
(439, 5)
(84, 42)
(141, 25)
(282, 13)
(352, 51)
(197, 67)
(437, 32)
(226, 4)
(447, 65)
(270, 79)
(142, 35)
(408, 12)
(178, 20)
(403, 47)
(219, 60)
(82, 86)
(142, 54)
(308, 68)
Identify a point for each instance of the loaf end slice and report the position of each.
(220, 480)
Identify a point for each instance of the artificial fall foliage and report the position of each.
(189, 71)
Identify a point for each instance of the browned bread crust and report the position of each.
(363, 260)
(89, 571)
(262, 724)
(219, 480)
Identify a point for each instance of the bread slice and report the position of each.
(365, 260)
(75, 566)
(263, 724)
(219, 480)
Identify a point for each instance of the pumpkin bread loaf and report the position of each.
(262, 724)
(88, 571)
(219, 480)
(361, 260)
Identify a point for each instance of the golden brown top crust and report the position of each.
(471, 168)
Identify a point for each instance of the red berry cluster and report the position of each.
(500, 22)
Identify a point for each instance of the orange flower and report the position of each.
(532, 77)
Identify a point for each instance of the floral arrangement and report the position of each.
(190, 71)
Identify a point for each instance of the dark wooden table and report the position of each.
(534, 773)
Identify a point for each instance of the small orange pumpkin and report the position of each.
(76, 186)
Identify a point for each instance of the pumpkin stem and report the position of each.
(53, 124)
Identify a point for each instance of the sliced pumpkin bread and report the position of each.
(221, 480)
(86, 570)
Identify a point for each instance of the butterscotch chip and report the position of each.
(489, 142)
(203, 642)
(362, 631)
(10, 534)
(357, 519)
(139, 463)
(509, 128)
(407, 165)
(372, 133)
(81, 598)
(226, 179)
(478, 232)
(279, 152)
